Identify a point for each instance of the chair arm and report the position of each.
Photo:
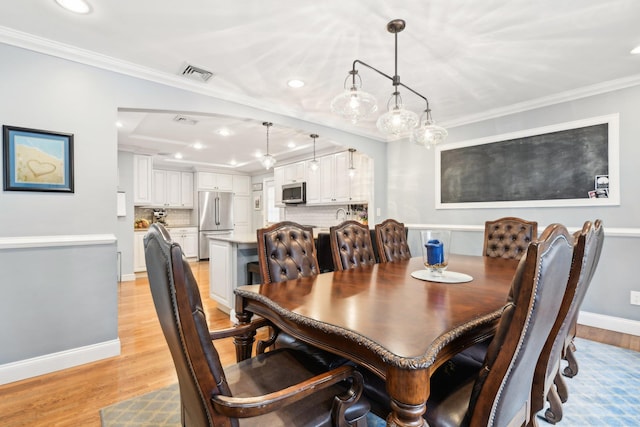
(242, 407)
(239, 329)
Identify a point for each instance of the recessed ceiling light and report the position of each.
(636, 50)
(233, 163)
(295, 83)
(75, 6)
(119, 124)
(224, 132)
(178, 156)
(198, 145)
(291, 144)
(258, 154)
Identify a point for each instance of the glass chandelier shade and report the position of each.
(397, 120)
(354, 104)
(428, 133)
(268, 161)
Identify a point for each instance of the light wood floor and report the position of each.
(74, 396)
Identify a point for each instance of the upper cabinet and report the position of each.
(211, 181)
(331, 183)
(142, 171)
(241, 185)
(172, 189)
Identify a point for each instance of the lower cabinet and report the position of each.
(139, 263)
(220, 273)
(187, 238)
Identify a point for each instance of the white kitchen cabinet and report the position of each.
(327, 179)
(221, 273)
(241, 214)
(314, 182)
(278, 181)
(142, 178)
(139, 263)
(186, 193)
(211, 181)
(169, 190)
(187, 238)
(241, 185)
(295, 172)
(336, 186)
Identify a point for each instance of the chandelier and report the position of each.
(354, 104)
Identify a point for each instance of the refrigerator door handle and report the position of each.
(217, 210)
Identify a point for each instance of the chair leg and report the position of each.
(571, 370)
(561, 385)
(554, 413)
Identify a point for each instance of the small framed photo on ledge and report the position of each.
(37, 160)
(257, 202)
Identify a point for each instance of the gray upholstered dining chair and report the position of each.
(547, 375)
(391, 238)
(508, 237)
(351, 245)
(281, 387)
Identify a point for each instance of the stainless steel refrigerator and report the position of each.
(215, 216)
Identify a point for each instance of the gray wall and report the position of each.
(45, 92)
(411, 194)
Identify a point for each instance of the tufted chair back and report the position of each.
(187, 336)
(508, 237)
(391, 237)
(351, 245)
(286, 251)
(502, 391)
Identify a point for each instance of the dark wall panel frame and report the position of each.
(554, 165)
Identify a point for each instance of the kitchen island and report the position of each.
(228, 258)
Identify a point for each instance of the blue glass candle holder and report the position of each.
(435, 250)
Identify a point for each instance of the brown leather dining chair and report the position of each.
(508, 237)
(547, 382)
(391, 238)
(286, 250)
(351, 245)
(275, 388)
(497, 392)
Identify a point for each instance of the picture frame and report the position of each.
(257, 202)
(37, 160)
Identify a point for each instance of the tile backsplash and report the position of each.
(323, 216)
(174, 218)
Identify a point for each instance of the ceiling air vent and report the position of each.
(184, 120)
(196, 73)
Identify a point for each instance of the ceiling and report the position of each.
(471, 59)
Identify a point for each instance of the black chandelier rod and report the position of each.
(395, 79)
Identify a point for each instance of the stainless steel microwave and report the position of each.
(294, 193)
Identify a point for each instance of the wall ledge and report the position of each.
(28, 368)
(21, 242)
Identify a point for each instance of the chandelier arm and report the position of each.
(394, 80)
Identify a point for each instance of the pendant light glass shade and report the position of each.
(428, 133)
(314, 164)
(353, 104)
(352, 170)
(268, 161)
(397, 120)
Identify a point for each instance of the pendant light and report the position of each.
(314, 164)
(352, 170)
(355, 104)
(268, 161)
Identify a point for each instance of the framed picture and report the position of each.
(257, 202)
(37, 160)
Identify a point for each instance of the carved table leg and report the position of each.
(409, 390)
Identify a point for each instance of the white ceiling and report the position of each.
(471, 59)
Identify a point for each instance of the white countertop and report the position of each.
(235, 237)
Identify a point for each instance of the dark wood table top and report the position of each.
(381, 316)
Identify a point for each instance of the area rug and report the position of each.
(606, 392)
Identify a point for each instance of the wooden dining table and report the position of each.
(381, 317)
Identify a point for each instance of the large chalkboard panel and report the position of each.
(552, 166)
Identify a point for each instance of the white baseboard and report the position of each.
(610, 323)
(129, 277)
(16, 371)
